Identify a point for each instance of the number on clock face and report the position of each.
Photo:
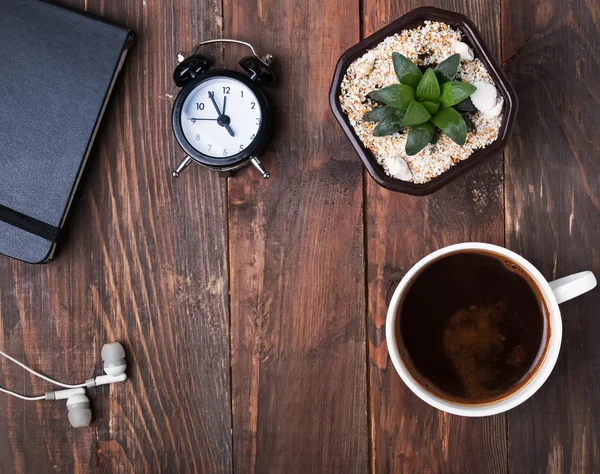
(221, 117)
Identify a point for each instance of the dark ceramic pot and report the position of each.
(473, 38)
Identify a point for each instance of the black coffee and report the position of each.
(472, 327)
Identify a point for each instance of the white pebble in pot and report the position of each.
(365, 65)
(466, 53)
(485, 99)
(398, 169)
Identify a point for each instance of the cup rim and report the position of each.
(543, 370)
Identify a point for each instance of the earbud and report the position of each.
(115, 364)
(78, 404)
(80, 414)
(113, 356)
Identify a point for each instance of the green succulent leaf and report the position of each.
(432, 106)
(452, 124)
(390, 124)
(447, 69)
(465, 105)
(419, 137)
(378, 114)
(416, 114)
(397, 95)
(434, 137)
(428, 88)
(407, 71)
(454, 92)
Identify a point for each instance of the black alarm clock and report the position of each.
(222, 118)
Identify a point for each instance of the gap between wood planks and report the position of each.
(369, 408)
(504, 198)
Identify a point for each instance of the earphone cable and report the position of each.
(37, 374)
(22, 397)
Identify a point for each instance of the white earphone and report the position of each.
(78, 404)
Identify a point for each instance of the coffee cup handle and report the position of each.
(571, 286)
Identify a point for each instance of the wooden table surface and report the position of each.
(253, 311)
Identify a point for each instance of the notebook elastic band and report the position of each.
(29, 224)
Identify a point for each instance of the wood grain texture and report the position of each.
(406, 434)
(179, 270)
(145, 264)
(41, 325)
(552, 55)
(297, 257)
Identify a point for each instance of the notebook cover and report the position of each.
(57, 68)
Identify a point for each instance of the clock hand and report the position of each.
(228, 128)
(211, 95)
(223, 119)
(194, 120)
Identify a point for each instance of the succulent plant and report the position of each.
(423, 103)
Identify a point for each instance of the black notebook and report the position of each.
(57, 70)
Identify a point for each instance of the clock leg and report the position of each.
(258, 165)
(183, 165)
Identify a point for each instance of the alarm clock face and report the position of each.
(220, 117)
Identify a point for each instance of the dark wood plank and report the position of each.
(553, 217)
(145, 264)
(406, 434)
(46, 323)
(297, 257)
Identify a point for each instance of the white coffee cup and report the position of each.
(554, 293)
